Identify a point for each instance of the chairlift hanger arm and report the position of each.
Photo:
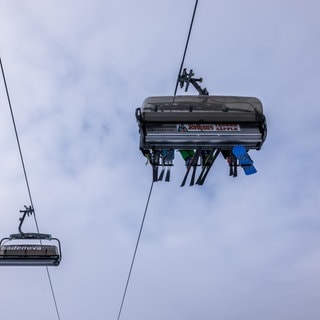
(187, 78)
(28, 211)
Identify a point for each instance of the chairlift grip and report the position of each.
(29, 210)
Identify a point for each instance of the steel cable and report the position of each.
(147, 204)
(26, 178)
(135, 253)
(185, 48)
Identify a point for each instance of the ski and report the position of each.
(161, 174)
(168, 175)
(205, 165)
(193, 176)
(154, 173)
(233, 166)
(193, 162)
(208, 164)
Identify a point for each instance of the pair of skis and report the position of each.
(206, 166)
(159, 177)
(165, 169)
(166, 157)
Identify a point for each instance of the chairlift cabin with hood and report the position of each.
(202, 121)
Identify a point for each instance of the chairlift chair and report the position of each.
(22, 253)
(206, 123)
(28, 249)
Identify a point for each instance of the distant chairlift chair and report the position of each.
(20, 253)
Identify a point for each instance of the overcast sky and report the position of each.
(236, 248)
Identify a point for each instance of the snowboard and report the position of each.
(245, 161)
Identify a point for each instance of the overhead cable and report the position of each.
(186, 47)
(26, 179)
(147, 204)
(135, 253)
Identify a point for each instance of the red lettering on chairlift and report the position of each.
(200, 127)
(227, 127)
(209, 127)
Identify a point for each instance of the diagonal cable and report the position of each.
(186, 48)
(18, 143)
(26, 179)
(134, 254)
(147, 204)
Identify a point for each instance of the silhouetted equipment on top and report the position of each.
(204, 123)
(28, 249)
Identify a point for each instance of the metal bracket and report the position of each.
(27, 212)
(187, 78)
